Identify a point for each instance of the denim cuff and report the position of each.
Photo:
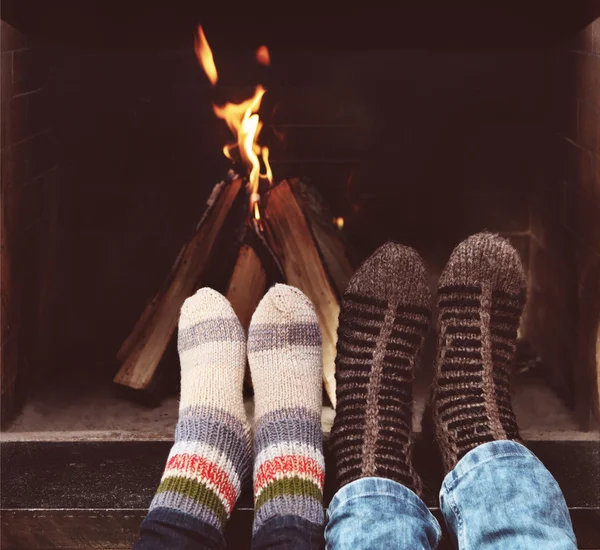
(382, 487)
(500, 495)
(484, 453)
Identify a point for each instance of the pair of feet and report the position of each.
(385, 317)
(212, 456)
(386, 313)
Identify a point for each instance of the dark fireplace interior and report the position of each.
(110, 148)
(424, 127)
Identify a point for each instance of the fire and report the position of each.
(205, 56)
(243, 121)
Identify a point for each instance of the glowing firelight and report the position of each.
(262, 56)
(339, 222)
(243, 121)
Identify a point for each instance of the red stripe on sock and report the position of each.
(200, 468)
(290, 464)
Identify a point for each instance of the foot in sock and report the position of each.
(211, 457)
(284, 352)
(480, 299)
(385, 317)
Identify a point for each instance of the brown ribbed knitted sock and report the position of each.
(384, 319)
(480, 299)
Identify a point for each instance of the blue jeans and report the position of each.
(498, 496)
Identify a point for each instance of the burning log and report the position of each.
(144, 348)
(290, 237)
(294, 242)
(333, 252)
(328, 238)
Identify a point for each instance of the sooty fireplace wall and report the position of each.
(109, 152)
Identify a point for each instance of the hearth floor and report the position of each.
(97, 412)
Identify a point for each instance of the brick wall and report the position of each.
(564, 306)
(29, 208)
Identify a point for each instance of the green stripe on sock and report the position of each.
(289, 486)
(197, 491)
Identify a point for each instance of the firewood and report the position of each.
(247, 284)
(333, 252)
(246, 288)
(142, 323)
(140, 365)
(290, 237)
(329, 240)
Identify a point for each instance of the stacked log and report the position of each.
(293, 234)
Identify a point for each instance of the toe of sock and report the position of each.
(284, 302)
(207, 317)
(393, 271)
(485, 257)
(205, 304)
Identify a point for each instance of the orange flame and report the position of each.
(243, 121)
(339, 222)
(205, 56)
(262, 56)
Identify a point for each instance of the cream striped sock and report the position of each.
(284, 351)
(210, 459)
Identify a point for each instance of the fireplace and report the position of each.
(110, 149)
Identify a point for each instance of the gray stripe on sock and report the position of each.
(219, 429)
(266, 336)
(219, 329)
(214, 414)
(300, 413)
(290, 505)
(297, 425)
(181, 503)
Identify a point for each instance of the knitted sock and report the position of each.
(284, 352)
(385, 317)
(480, 298)
(210, 459)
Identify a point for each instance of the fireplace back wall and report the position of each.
(428, 146)
(421, 146)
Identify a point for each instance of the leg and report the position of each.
(497, 494)
(210, 459)
(501, 496)
(375, 512)
(284, 352)
(384, 319)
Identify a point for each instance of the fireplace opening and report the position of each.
(111, 149)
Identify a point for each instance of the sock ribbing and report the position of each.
(480, 299)
(210, 460)
(384, 319)
(284, 352)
